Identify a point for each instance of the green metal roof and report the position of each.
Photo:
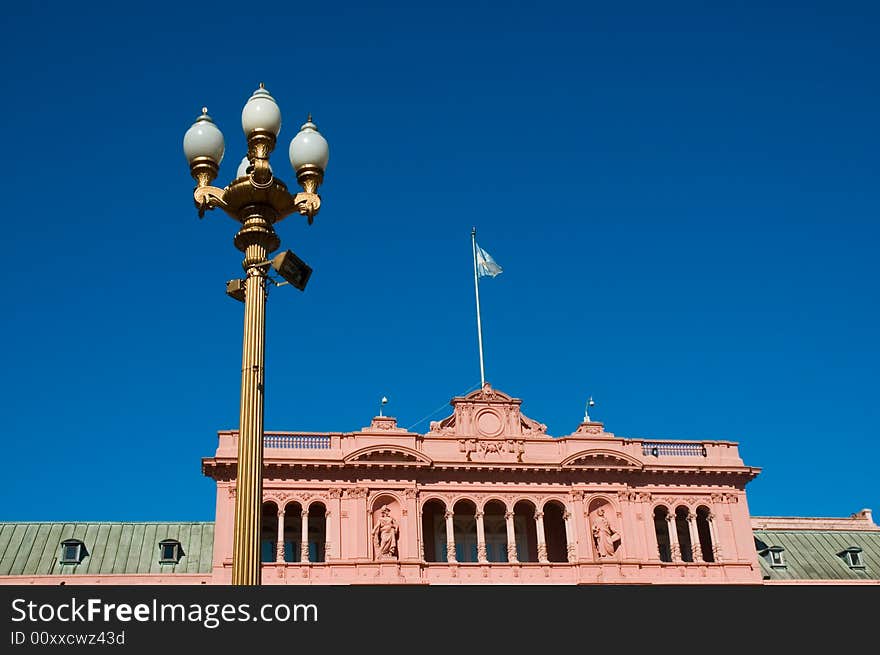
(35, 548)
(133, 548)
(815, 554)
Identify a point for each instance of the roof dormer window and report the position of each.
(73, 551)
(170, 551)
(853, 557)
(777, 560)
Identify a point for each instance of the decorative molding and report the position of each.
(357, 492)
(335, 492)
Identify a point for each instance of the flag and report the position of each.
(486, 265)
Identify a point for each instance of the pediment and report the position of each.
(600, 458)
(488, 414)
(390, 455)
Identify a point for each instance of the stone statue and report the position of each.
(385, 535)
(604, 535)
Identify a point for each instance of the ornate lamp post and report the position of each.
(258, 200)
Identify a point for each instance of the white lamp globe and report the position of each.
(261, 112)
(309, 148)
(204, 139)
(243, 166)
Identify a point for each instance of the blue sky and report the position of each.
(684, 200)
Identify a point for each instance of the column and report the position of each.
(583, 539)
(569, 537)
(674, 548)
(327, 543)
(279, 550)
(304, 545)
(542, 542)
(481, 539)
(334, 526)
(511, 538)
(450, 538)
(412, 544)
(716, 546)
(696, 551)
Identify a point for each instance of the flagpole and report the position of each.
(477, 294)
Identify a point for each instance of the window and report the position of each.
(776, 558)
(853, 557)
(73, 551)
(170, 551)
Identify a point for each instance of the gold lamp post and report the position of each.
(257, 200)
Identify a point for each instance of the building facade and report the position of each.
(485, 497)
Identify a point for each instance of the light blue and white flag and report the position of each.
(486, 266)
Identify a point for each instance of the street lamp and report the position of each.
(258, 200)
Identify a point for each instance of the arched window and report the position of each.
(683, 531)
(434, 531)
(495, 528)
(292, 532)
(661, 529)
(317, 531)
(268, 532)
(704, 532)
(525, 531)
(464, 527)
(554, 531)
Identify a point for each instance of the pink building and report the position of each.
(485, 497)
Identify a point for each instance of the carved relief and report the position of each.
(409, 494)
(542, 553)
(335, 493)
(486, 448)
(531, 426)
(438, 427)
(357, 492)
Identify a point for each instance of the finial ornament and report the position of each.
(590, 403)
